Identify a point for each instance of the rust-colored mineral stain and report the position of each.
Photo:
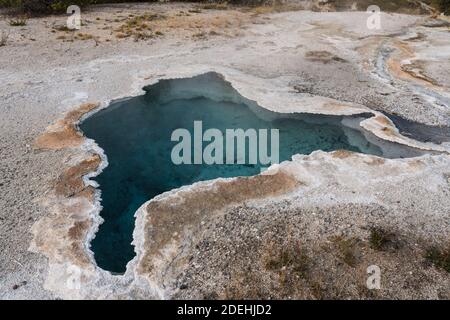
(415, 69)
(62, 234)
(342, 108)
(341, 154)
(79, 255)
(87, 193)
(71, 181)
(166, 219)
(64, 134)
(375, 161)
(387, 128)
(416, 164)
(407, 72)
(389, 132)
(77, 234)
(383, 120)
(78, 230)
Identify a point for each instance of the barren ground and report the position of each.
(342, 212)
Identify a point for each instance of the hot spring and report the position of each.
(136, 135)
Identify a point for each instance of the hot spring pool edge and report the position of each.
(58, 264)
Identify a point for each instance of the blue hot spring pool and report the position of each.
(135, 135)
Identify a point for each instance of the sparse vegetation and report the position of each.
(215, 6)
(290, 260)
(440, 258)
(444, 6)
(18, 22)
(347, 249)
(289, 264)
(62, 28)
(83, 36)
(142, 36)
(44, 6)
(263, 9)
(199, 35)
(379, 238)
(261, 6)
(194, 10)
(138, 27)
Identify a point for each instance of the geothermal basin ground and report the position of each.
(307, 228)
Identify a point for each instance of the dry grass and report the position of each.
(347, 249)
(440, 258)
(215, 6)
(142, 35)
(199, 35)
(18, 22)
(264, 9)
(195, 10)
(84, 36)
(284, 265)
(240, 287)
(273, 7)
(291, 259)
(380, 239)
(72, 36)
(138, 27)
(137, 21)
(61, 28)
(289, 265)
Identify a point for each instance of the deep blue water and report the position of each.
(136, 137)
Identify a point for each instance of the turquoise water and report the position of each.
(136, 137)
